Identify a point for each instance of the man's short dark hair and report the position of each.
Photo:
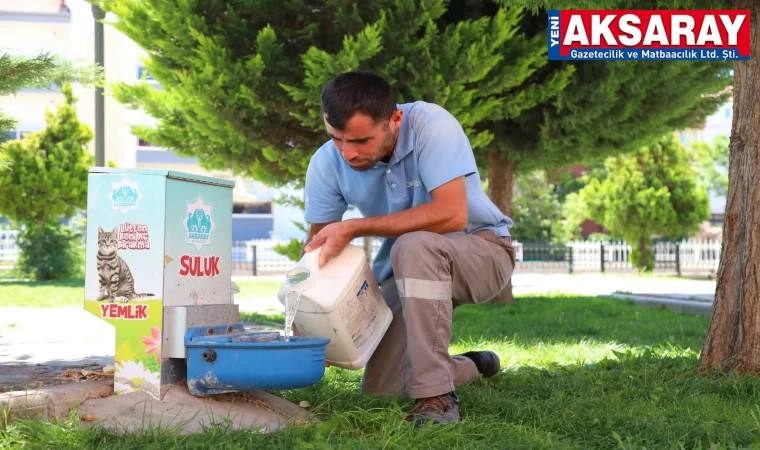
(357, 92)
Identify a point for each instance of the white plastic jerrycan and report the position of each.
(341, 301)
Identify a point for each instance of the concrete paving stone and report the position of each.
(94, 403)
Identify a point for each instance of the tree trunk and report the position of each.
(40, 250)
(501, 187)
(501, 181)
(733, 341)
(645, 253)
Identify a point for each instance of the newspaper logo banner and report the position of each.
(603, 35)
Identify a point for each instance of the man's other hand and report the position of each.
(333, 239)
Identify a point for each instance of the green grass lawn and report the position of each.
(580, 373)
(258, 288)
(43, 294)
(70, 293)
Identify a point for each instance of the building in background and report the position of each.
(26, 28)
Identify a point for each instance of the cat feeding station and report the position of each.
(158, 268)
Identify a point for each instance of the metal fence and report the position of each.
(258, 257)
(678, 258)
(692, 256)
(8, 249)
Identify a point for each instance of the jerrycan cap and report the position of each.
(298, 279)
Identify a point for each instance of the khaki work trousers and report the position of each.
(433, 274)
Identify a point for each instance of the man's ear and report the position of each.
(396, 118)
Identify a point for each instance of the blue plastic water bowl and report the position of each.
(227, 358)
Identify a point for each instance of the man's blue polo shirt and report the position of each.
(432, 149)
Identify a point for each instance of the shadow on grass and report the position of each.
(68, 282)
(574, 319)
(654, 399)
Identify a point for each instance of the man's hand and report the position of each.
(333, 238)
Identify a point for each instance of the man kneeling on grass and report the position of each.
(411, 172)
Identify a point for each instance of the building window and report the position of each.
(14, 134)
(145, 145)
(144, 75)
(143, 72)
(717, 220)
(252, 208)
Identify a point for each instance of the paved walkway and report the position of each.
(598, 284)
(40, 343)
(581, 284)
(37, 344)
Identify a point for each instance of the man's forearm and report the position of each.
(433, 217)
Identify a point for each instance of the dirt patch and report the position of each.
(239, 397)
(15, 377)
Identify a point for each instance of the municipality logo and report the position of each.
(124, 196)
(198, 223)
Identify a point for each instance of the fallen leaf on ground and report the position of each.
(109, 369)
(89, 418)
(304, 404)
(71, 373)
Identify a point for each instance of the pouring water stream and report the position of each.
(295, 280)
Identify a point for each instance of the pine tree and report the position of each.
(652, 191)
(43, 178)
(41, 71)
(242, 81)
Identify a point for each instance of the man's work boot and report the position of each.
(488, 363)
(443, 409)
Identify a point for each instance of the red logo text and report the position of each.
(196, 266)
(129, 312)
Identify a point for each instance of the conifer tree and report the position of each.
(41, 71)
(43, 178)
(242, 81)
